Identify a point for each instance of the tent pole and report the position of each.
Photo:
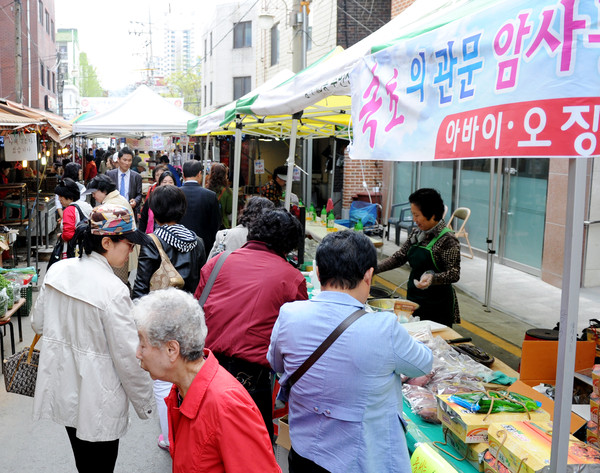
(491, 238)
(569, 308)
(290, 160)
(237, 165)
(205, 159)
(333, 154)
(308, 169)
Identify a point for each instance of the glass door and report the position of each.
(523, 213)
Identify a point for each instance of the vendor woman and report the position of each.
(433, 253)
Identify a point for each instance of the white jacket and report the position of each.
(88, 371)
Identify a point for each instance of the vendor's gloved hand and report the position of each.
(425, 281)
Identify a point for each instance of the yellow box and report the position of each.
(591, 434)
(473, 452)
(283, 437)
(472, 428)
(596, 379)
(527, 448)
(594, 404)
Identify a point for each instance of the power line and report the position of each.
(235, 24)
(354, 19)
(370, 12)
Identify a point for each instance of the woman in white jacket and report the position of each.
(88, 372)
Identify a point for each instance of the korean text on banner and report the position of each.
(515, 79)
(20, 147)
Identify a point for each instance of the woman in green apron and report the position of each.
(433, 253)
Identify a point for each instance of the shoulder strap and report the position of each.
(221, 194)
(213, 277)
(333, 336)
(442, 233)
(81, 214)
(161, 251)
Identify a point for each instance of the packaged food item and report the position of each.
(495, 401)
(596, 379)
(526, 446)
(472, 427)
(473, 452)
(492, 465)
(594, 404)
(422, 402)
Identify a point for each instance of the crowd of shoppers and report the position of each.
(209, 333)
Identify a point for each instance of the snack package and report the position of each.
(422, 402)
(500, 401)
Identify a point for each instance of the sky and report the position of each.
(107, 30)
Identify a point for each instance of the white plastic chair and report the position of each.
(461, 213)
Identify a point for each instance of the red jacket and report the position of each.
(90, 171)
(218, 427)
(244, 301)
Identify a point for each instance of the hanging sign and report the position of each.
(157, 142)
(296, 175)
(500, 79)
(20, 147)
(259, 166)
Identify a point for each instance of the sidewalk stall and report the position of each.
(463, 83)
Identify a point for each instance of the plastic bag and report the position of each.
(422, 402)
(364, 211)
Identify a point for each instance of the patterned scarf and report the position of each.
(420, 235)
(177, 236)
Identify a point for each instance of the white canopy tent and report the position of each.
(142, 113)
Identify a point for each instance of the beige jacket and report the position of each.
(88, 372)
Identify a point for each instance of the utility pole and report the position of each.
(18, 54)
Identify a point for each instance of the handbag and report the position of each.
(322, 348)
(20, 370)
(166, 275)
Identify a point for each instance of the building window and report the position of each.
(309, 39)
(48, 83)
(242, 35)
(275, 45)
(41, 11)
(241, 86)
(53, 82)
(211, 94)
(47, 15)
(205, 53)
(211, 43)
(42, 72)
(52, 29)
(205, 96)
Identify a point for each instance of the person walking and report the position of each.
(128, 181)
(217, 182)
(88, 373)
(202, 215)
(345, 411)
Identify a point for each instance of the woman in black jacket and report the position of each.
(186, 252)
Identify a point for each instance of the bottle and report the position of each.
(358, 226)
(311, 214)
(323, 216)
(330, 221)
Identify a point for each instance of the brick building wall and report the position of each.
(354, 170)
(399, 5)
(353, 17)
(43, 51)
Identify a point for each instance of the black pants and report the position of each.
(257, 381)
(299, 464)
(92, 457)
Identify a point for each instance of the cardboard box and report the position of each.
(547, 404)
(472, 428)
(528, 445)
(594, 404)
(283, 438)
(492, 465)
(596, 379)
(591, 433)
(473, 452)
(538, 360)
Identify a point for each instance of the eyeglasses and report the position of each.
(131, 245)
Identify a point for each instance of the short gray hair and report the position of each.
(172, 314)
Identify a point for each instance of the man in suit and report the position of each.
(128, 181)
(202, 216)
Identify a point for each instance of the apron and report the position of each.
(436, 302)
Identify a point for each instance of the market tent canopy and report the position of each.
(211, 122)
(142, 113)
(55, 126)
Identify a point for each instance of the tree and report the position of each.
(186, 84)
(89, 85)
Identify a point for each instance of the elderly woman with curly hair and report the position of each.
(217, 182)
(214, 424)
(234, 238)
(242, 305)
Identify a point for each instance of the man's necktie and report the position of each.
(122, 187)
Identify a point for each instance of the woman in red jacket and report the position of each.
(74, 210)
